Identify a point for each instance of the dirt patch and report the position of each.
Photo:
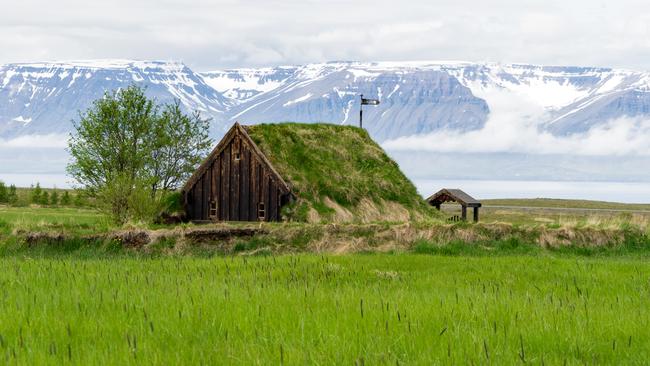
(36, 238)
(221, 234)
(131, 238)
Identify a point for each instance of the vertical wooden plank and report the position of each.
(217, 185)
(192, 203)
(208, 184)
(244, 197)
(265, 193)
(213, 180)
(234, 182)
(225, 176)
(273, 201)
(204, 196)
(199, 200)
(254, 195)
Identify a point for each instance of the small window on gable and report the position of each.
(261, 211)
(213, 208)
(235, 151)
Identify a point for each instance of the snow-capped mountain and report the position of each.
(414, 101)
(421, 97)
(575, 99)
(43, 98)
(417, 98)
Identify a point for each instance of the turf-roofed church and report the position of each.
(300, 172)
(235, 183)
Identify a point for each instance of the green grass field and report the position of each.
(507, 303)
(81, 220)
(558, 212)
(308, 309)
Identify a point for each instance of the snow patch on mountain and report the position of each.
(297, 100)
(243, 84)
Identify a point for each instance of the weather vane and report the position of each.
(365, 101)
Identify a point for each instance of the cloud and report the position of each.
(514, 126)
(226, 33)
(51, 141)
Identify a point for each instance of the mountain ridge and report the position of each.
(418, 97)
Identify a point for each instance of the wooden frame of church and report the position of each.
(236, 182)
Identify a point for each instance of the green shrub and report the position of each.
(4, 193)
(65, 199)
(54, 198)
(44, 198)
(172, 203)
(36, 194)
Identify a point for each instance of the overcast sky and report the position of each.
(226, 33)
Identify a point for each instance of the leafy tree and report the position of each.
(4, 193)
(65, 199)
(45, 198)
(180, 144)
(37, 194)
(12, 195)
(54, 198)
(125, 146)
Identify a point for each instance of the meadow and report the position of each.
(502, 303)
(308, 309)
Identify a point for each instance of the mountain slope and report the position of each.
(420, 97)
(43, 98)
(413, 103)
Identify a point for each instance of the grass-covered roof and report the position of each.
(338, 173)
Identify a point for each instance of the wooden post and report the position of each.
(438, 206)
(361, 112)
(464, 215)
(475, 214)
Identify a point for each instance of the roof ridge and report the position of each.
(221, 145)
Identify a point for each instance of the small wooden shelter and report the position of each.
(236, 182)
(458, 196)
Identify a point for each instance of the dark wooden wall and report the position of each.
(237, 181)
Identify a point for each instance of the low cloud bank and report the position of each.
(51, 141)
(620, 137)
(515, 126)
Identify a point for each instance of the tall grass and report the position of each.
(308, 309)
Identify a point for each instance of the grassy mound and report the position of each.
(339, 174)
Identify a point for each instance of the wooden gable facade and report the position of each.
(235, 183)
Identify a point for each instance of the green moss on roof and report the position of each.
(338, 172)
